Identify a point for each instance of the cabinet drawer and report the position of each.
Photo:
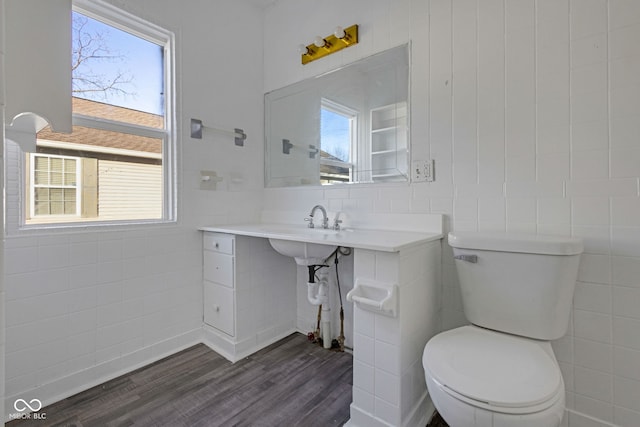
(218, 268)
(219, 242)
(219, 307)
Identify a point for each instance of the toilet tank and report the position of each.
(517, 283)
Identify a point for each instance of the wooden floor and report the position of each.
(290, 383)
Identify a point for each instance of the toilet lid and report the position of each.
(491, 367)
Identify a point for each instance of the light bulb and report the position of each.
(302, 49)
(319, 41)
(339, 33)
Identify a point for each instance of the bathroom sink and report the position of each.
(304, 253)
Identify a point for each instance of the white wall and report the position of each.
(531, 109)
(84, 306)
(2, 305)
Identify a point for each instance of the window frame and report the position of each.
(353, 117)
(138, 27)
(33, 186)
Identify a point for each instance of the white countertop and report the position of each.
(377, 240)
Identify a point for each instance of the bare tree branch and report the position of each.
(91, 48)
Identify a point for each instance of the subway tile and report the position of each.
(624, 41)
(594, 384)
(552, 18)
(521, 210)
(553, 167)
(624, 101)
(627, 393)
(626, 271)
(53, 256)
(626, 332)
(365, 346)
(593, 355)
(534, 189)
(625, 211)
(363, 400)
(592, 135)
(591, 164)
(626, 302)
(588, 17)
(491, 210)
(625, 72)
(553, 110)
(387, 387)
(592, 297)
(364, 376)
(590, 210)
(602, 187)
(625, 417)
(387, 329)
(589, 50)
(387, 412)
(625, 163)
(387, 358)
(624, 132)
(592, 326)
(594, 408)
(623, 13)
(624, 241)
(83, 253)
(590, 107)
(520, 168)
(626, 363)
(596, 239)
(554, 210)
(20, 260)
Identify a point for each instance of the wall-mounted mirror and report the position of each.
(346, 126)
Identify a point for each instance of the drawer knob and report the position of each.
(217, 308)
(217, 245)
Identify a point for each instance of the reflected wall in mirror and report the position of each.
(350, 125)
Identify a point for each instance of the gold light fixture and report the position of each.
(322, 47)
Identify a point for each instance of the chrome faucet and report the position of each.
(325, 220)
(336, 222)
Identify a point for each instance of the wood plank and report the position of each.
(290, 383)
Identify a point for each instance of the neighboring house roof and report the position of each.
(332, 170)
(107, 139)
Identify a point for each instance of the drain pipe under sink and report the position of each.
(318, 294)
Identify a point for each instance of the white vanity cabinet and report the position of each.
(249, 298)
(219, 281)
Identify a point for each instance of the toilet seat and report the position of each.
(494, 371)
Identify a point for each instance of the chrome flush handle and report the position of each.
(468, 258)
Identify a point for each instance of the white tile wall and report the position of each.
(533, 131)
(2, 253)
(86, 306)
(536, 131)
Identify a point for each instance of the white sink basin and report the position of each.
(304, 253)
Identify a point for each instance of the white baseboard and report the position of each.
(77, 382)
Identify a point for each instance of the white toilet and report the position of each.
(501, 371)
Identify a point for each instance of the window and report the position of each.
(116, 165)
(54, 186)
(338, 126)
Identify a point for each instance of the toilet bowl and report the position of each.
(500, 371)
(482, 378)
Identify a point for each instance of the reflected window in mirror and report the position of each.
(349, 125)
(338, 142)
